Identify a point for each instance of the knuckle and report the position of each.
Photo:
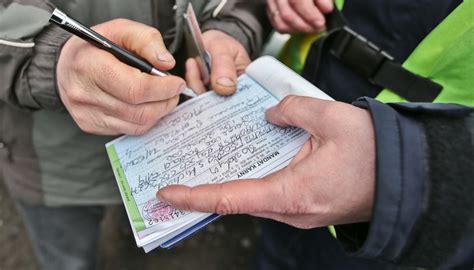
(151, 36)
(120, 22)
(139, 130)
(144, 116)
(77, 95)
(80, 120)
(162, 111)
(286, 15)
(135, 93)
(153, 33)
(83, 125)
(282, 28)
(78, 66)
(225, 206)
(305, 29)
(170, 104)
(100, 122)
(86, 128)
(287, 104)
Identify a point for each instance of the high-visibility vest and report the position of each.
(446, 56)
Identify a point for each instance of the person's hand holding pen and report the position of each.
(107, 97)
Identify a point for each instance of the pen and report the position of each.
(62, 20)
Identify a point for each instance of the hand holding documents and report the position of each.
(209, 139)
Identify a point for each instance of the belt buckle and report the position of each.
(356, 51)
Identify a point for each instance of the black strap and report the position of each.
(372, 63)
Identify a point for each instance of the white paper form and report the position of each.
(209, 139)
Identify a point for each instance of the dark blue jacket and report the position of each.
(424, 212)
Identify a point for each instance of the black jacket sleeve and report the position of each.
(423, 213)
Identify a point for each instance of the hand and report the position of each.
(299, 16)
(229, 59)
(107, 97)
(330, 180)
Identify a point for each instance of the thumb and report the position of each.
(307, 113)
(234, 197)
(143, 40)
(224, 71)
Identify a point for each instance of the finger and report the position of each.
(99, 123)
(290, 17)
(273, 15)
(144, 114)
(141, 39)
(132, 86)
(310, 13)
(279, 24)
(224, 71)
(147, 114)
(326, 6)
(239, 196)
(193, 76)
(118, 126)
(302, 112)
(272, 6)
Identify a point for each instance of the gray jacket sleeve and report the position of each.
(29, 46)
(246, 21)
(28, 51)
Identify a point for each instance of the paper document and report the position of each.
(208, 139)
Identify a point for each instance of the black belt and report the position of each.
(374, 64)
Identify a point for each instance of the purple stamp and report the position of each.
(157, 211)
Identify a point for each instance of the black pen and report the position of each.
(67, 23)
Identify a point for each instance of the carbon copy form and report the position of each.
(208, 139)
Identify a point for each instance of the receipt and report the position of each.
(208, 139)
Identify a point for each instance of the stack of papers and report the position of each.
(208, 139)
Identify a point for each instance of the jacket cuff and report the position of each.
(400, 178)
(424, 184)
(41, 72)
(442, 237)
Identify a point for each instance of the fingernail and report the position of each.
(226, 82)
(165, 57)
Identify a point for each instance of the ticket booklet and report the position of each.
(208, 139)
